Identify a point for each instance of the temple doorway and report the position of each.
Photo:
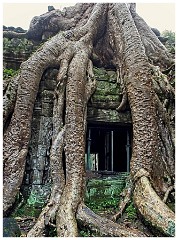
(108, 148)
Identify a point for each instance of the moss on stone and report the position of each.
(102, 74)
(103, 194)
(107, 88)
(27, 210)
(171, 228)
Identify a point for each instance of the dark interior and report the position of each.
(111, 144)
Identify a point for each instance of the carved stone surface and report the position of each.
(16, 51)
(108, 115)
(108, 96)
(37, 177)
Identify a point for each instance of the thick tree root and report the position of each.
(155, 50)
(71, 50)
(103, 226)
(151, 207)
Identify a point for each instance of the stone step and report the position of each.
(108, 186)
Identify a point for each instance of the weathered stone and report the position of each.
(10, 228)
(39, 195)
(47, 96)
(37, 166)
(101, 74)
(47, 109)
(37, 177)
(105, 187)
(111, 73)
(51, 8)
(50, 74)
(49, 84)
(108, 115)
(16, 51)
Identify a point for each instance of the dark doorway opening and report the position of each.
(108, 148)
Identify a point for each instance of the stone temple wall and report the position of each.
(37, 182)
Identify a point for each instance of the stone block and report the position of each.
(106, 187)
(37, 177)
(47, 96)
(10, 228)
(49, 84)
(39, 195)
(108, 115)
(47, 109)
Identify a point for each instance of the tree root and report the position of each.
(91, 80)
(123, 103)
(120, 80)
(48, 214)
(151, 207)
(17, 136)
(126, 196)
(155, 50)
(169, 190)
(103, 226)
(67, 193)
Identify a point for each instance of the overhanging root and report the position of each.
(152, 208)
(103, 226)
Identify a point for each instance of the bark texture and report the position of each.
(109, 35)
(103, 226)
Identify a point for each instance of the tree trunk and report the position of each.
(114, 35)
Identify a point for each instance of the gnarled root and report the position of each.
(123, 103)
(103, 226)
(152, 208)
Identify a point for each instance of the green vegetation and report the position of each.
(131, 212)
(106, 204)
(26, 210)
(103, 195)
(52, 232)
(17, 46)
(8, 73)
(170, 43)
(102, 74)
(107, 88)
(35, 199)
(86, 233)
